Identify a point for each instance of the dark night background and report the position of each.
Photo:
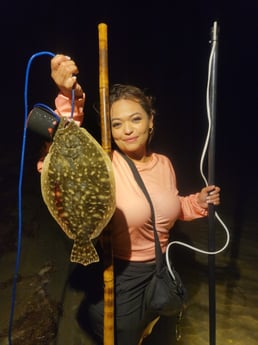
(163, 46)
(159, 45)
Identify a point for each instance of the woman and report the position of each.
(132, 125)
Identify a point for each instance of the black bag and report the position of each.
(165, 294)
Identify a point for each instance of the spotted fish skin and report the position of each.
(78, 187)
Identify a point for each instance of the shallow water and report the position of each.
(50, 305)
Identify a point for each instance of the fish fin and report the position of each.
(84, 252)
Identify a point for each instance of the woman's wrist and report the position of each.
(68, 94)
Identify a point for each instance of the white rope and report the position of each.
(204, 178)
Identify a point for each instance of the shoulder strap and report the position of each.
(141, 184)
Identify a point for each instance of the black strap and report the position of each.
(137, 176)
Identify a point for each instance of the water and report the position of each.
(44, 267)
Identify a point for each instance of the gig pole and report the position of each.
(211, 181)
(108, 274)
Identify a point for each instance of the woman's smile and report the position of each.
(131, 139)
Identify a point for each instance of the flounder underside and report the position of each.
(78, 187)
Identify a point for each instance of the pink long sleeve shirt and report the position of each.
(132, 233)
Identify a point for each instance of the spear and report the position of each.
(211, 181)
(108, 274)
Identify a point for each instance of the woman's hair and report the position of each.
(122, 91)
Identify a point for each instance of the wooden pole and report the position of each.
(106, 144)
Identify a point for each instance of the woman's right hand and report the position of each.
(64, 73)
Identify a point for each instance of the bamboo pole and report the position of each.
(106, 144)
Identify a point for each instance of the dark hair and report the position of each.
(123, 91)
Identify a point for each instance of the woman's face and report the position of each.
(130, 127)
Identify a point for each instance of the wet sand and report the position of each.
(46, 307)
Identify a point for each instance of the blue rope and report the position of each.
(20, 193)
(44, 106)
(17, 265)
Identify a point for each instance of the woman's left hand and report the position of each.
(209, 195)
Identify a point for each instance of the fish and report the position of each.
(78, 187)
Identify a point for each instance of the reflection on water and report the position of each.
(44, 245)
(236, 314)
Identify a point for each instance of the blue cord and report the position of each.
(20, 193)
(44, 106)
(21, 179)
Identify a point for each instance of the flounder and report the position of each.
(78, 187)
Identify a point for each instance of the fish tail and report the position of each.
(84, 253)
